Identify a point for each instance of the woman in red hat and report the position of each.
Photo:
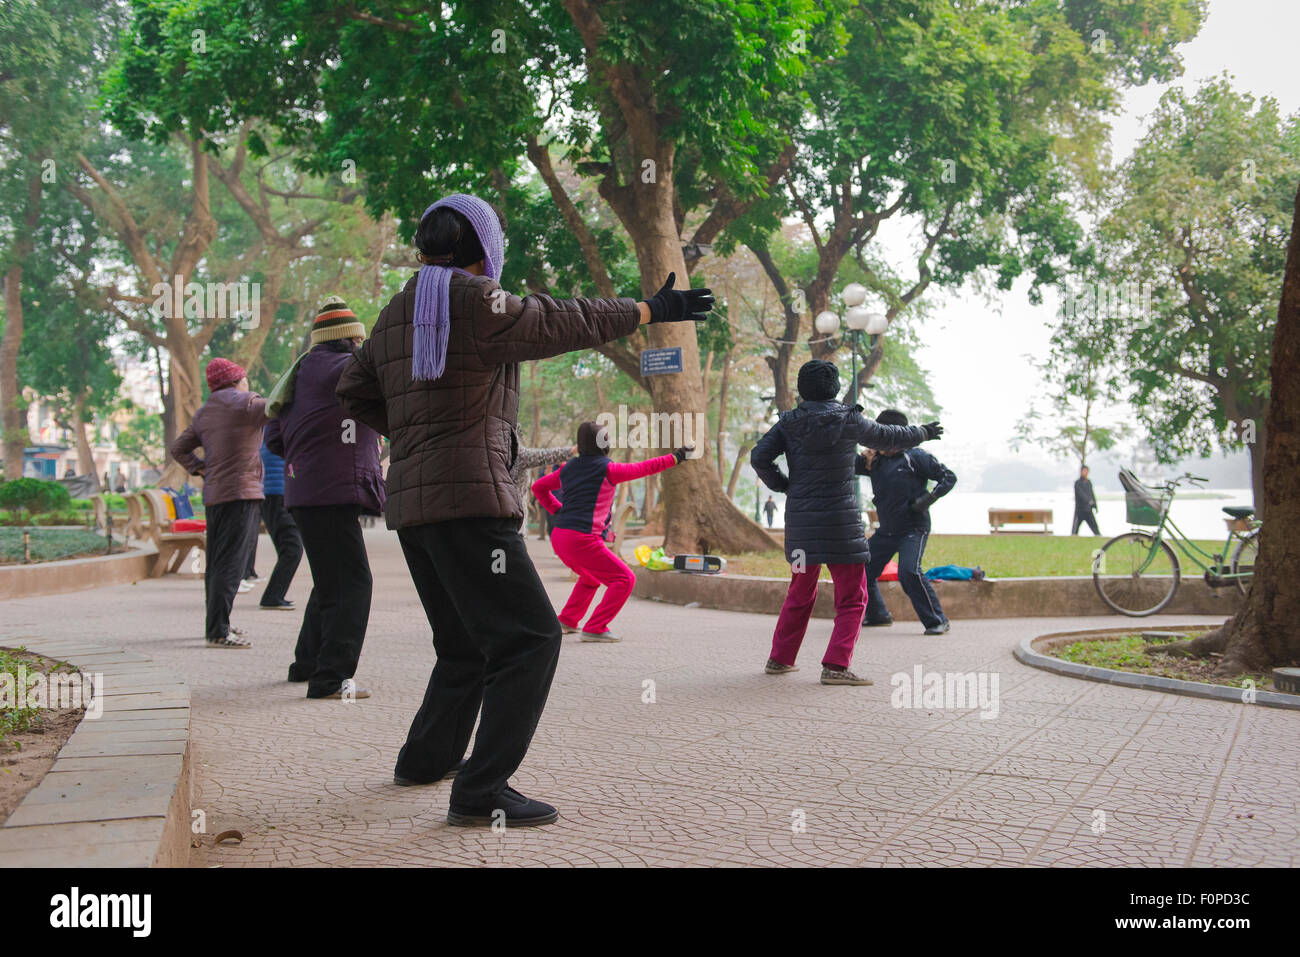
(229, 429)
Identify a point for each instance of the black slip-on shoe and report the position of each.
(402, 782)
(512, 809)
(879, 623)
(281, 605)
(939, 629)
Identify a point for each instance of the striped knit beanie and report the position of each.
(335, 320)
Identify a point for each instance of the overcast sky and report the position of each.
(975, 353)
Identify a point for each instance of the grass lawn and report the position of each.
(1128, 653)
(1001, 556)
(49, 544)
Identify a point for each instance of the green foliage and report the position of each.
(142, 436)
(1201, 213)
(34, 496)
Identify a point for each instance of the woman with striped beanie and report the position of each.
(331, 478)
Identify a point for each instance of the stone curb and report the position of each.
(1059, 596)
(118, 793)
(75, 574)
(1027, 655)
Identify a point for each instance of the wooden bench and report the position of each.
(101, 512)
(998, 517)
(620, 526)
(172, 547)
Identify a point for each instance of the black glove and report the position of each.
(933, 430)
(923, 503)
(683, 452)
(673, 305)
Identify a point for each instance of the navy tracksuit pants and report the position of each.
(909, 546)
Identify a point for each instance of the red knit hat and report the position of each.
(223, 372)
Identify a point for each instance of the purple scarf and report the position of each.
(432, 286)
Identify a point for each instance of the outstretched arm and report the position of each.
(763, 459)
(876, 436)
(508, 329)
(526, 458)
(628, 471)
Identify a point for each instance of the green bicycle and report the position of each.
(1137, 573)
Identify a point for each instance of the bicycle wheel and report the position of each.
(1243, 561)
(1136, 574)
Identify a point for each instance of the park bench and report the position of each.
(101, 512)
(134, 527)
(620, 526)
(172, 546)
(999, 517)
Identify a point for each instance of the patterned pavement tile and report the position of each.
(673, 748)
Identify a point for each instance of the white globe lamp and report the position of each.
(877, 323)
(854, 294)
(826, 322)
(857, 317)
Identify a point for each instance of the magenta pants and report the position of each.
(850, 605)
(595, 565)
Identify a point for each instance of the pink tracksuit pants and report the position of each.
(595, 565)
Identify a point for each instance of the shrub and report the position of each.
(34, 496)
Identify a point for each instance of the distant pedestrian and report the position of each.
(1085, 503)
(332, 478)
(823, 525)
(587, 483)
(901, 492)
(228, 427)
(283, 531)
(770, 508)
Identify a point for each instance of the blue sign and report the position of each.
(661, 361)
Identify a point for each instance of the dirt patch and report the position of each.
(28, 752)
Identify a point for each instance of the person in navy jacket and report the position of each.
(283, 531)
(902, 496)
(586, 483)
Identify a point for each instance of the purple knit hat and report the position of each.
(432, 285)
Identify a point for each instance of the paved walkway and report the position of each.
(726, 764)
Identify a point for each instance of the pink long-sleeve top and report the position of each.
(586, 485)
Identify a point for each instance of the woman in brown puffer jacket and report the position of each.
(439, 376)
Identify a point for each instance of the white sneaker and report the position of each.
(245, 585)
(600, 636)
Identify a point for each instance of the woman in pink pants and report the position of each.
(586, 485)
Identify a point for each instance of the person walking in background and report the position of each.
(900, 490)
(1085, 503)
(332, 477)
(581, 522)
(439, 375)
(283, 531)
(770, 508)
(228, 427)
(526, 460)
(823, 525)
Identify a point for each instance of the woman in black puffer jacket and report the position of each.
(820, 440)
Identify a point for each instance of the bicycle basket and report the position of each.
(1145, 506)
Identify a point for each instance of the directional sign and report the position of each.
(661, 361)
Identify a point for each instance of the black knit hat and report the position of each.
(818, 379)
(334, 320)
(891, 417)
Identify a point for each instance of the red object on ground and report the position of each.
(890, 574)
(189, 525)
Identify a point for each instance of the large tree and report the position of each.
(53, 51)
(1198, 227)
(1263, 633)
(663, 107)
(969, 123)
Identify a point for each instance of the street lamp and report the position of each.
(860, 320)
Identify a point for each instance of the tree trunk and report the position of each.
(13, 411)
(741, 457)
(1256, 450)
(1264, 633)
(722, 414)
(85, 454)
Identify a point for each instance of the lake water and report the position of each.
(967, 513)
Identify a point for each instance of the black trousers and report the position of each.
(497, 642)
(231, 532)
(288, 548)
(334, 624)
(910, 547)
(1084, 515)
